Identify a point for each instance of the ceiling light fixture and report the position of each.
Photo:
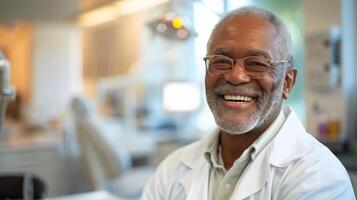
(172, 26)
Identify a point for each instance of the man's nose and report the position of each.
(237, 75)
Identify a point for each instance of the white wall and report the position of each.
(57, 73)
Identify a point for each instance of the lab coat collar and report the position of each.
(292, 141)
(191, 160)
(289, 144)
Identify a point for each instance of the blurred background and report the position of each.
(105, 89)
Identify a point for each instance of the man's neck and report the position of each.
(233, 146)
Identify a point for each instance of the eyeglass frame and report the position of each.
(234, 62)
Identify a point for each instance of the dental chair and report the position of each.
(107, 165)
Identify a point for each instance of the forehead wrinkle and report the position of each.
(227, 47)
(222, 51)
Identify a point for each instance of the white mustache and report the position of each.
(224, 88)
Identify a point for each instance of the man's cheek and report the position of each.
(268, 83)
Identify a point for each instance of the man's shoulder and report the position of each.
(306, 155)
(301, 146)
(319, 154)
(308, 167)
(316, 171)
(293, 142)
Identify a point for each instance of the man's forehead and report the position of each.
(248, 29)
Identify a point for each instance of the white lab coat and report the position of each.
(293, 166)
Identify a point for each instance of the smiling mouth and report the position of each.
(238, 98)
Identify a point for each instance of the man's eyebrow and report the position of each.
(258, 53)
(222, 51)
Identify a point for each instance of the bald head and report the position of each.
(283, 39)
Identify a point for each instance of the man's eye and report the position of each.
(253, 63)
(220, 61)
(221, 64)
(256, 65)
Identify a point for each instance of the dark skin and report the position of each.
(239, 37)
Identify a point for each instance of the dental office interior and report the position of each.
(95, 93)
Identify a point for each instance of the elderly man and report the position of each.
(260, 149)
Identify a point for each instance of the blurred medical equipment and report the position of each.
(324, 92)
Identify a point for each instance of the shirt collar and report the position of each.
(212, 149)
(268, 135)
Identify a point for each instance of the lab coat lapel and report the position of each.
(287, 143)
(195, 181)
(254, 177)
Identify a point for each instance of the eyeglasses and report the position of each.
(254, 66)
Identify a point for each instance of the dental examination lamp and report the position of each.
(6, 91)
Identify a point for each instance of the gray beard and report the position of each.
(266, 105)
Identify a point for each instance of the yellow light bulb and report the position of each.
(177, 23)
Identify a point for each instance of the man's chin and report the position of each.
(234, 128)
(234, 131)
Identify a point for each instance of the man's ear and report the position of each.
(289, 81)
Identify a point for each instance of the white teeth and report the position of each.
(237, 98)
